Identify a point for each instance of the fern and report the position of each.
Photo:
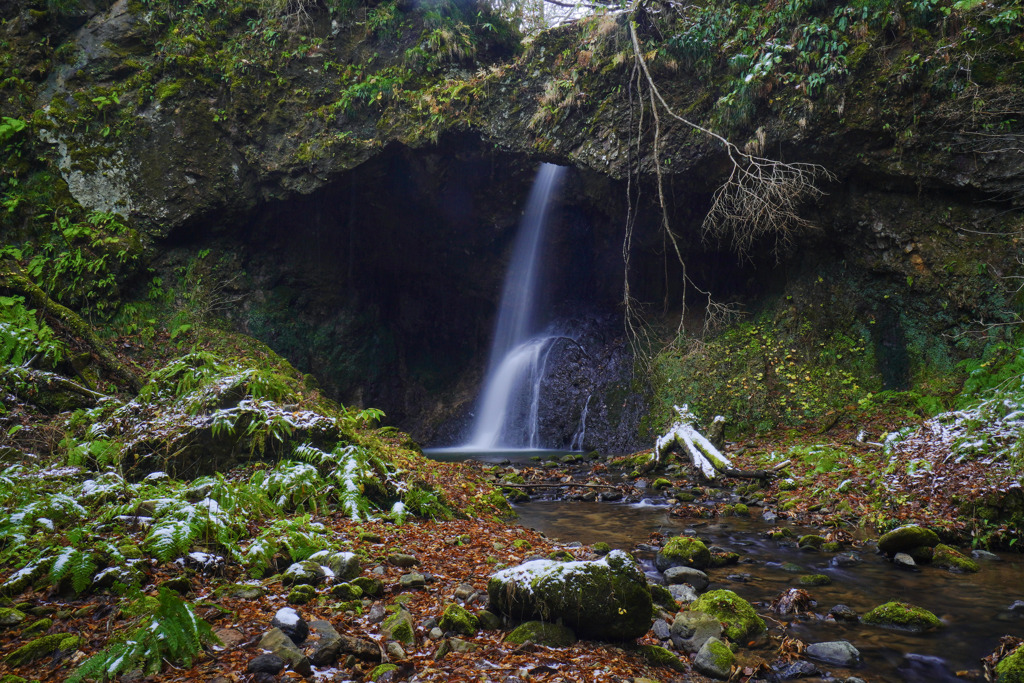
(174, 633)
(297, 537)
(77, 564)
(180, 524)
(292, 484)
(22, 336)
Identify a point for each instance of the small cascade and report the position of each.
(581, 431)
(508, 409)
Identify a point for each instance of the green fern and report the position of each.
(174, 633)
(297, 537)
(22, 336)
(78, 565)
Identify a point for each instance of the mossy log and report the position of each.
(15, 281)
(48, 390)
(706, 458)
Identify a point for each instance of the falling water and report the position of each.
(581, 431)
(507, 412)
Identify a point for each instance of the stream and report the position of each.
(974, 607)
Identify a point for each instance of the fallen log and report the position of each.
(556, 486)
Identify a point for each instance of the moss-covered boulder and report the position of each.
(380, 670)
(399, 627)
(811, 541)
(346, 592)
(371, 587)
(605, 599)
(659, 656)
(741, 622)
(41, 647)
(663, 597)
(814, 580)
(542, 633)
(714, 659)
(906, 538)
(900, 615)
(10, 616)
(953, 560)
(458, 620)
(683, 551)
(1011, 668)
(301, 594)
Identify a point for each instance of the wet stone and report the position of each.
(904, 561)
(265, 664)
(843, 613)
(683, 593)
(661, 630)
(837, 652)
(794, 670)
(695, 577)
(846, 560)
(412, 580)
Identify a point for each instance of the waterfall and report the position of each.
(507, 411)
(581, 431)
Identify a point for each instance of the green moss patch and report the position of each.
(659, 656)
(953, 560)
(741, 621)
(542, 633)
(457, 619)
(900, 615)
(683, 551)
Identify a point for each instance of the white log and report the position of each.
(708, 460)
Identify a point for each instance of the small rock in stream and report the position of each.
(985, 555)
(846, 560)
(798, 669)
(905, 562)
(837, 652)
(843, 613)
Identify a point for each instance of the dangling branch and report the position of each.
(760, 198)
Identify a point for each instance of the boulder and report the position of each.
(695, 577)
(604, 599)
(1011, 668)
(412, 580)
(346, 592)
(301, 594)
(359, 648)
(345, 566)
(659, 656)
(691, 630)
(288, 621)
(901, 616)
(714, 659)
(954, 561)
(458, 620)
(371, 587)
(906, 538)
(307, 572)
(265, 664)
(741, 622)
(843, 613)
(328, 644)
(836, 652)
(278, 643)
(683, 551)
(399, 627)
(683, 593)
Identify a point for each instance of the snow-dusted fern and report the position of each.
(297, 537)
(78, 566)
(174, 633)
(180, 524)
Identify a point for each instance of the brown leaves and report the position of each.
(793, 601)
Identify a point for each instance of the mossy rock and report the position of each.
(346, 591)
(1011, 668)
(780, 533)
(542, 633)
(41, 647)
(953, 560)
(831, 547)
(601, 548)
(815, 580)
(787, 485)
(811, 541)
(659, 656)
(381, 669)
(788, 505)
(741, 622)
(457, 619)
(11, 678)
(907, 537)
(371, 587)
(561, 556)
(10, 616)
(714, 659)
(301, 594)
(37, 628)
(399, 627)
(240, 590)
(487, 620)
(683, 551)
(521, 544)
(604, 599)
(901, 616)
(724, 559)
(922, 554)
(741, 510)
(661, 483)
(662, 597)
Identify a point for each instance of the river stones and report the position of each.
(683, 551)
(741, 622)
(907, 538)
(836, 652)
(690, 630)
(714, 659)
(950, 559)
(604, 599)
(901, 616)
(695, 577)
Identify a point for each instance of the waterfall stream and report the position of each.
(507, 410)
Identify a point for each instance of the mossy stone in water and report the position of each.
(1011, 668)
(907, 537)
(659, 656)
(662, 597)
(683, 551)
(815, 580)
(714, 659)
(601, 548)
(724, 559)
(950, 559)
(456, 618)
(741, 621)
(811, 541)
(661, 483)
(900, 615)
(542, 633)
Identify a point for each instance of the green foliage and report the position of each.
(174, 633)
(76, 565)
(23, 336)
(9, 128)
(297, 537)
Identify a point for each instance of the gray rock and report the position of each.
(798, 669)
(412, 580)
(846, 560)
(985, 555)
(9, 616)
(661, 630)
(904, 561)
(606, 599)
(453, 645)
(265, 664)
(403, 560)
(464, 592)
(695, 577)
(690, 630)
(683, 593)
(436, 633)
(307, 572)
(328, 645)
(376, 613)
(288, 621)
(395, 651)
(714, 659)
(359, 648)
(281, 645)
(836, 652)
(769, 516)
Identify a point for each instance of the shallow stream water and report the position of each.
(974, 607)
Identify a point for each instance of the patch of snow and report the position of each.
(287, 616)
